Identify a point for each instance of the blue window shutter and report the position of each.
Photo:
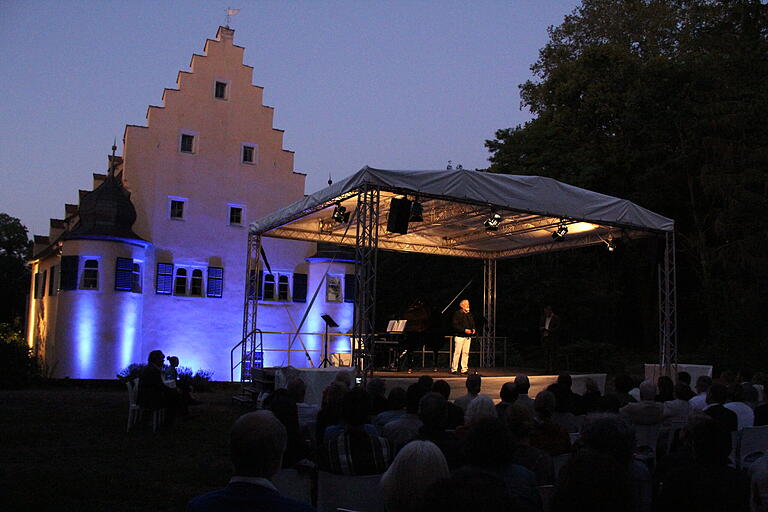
(164, 279)
(299, 287)
(215, 282)
(349, 288)
(69, 266)
(124, 274)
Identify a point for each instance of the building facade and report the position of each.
(154, 256)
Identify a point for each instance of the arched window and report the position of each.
(196, 285)
(180, 283)
(269, 287)
(282, 288)
(90, 275)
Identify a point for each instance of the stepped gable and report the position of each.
(106, 211)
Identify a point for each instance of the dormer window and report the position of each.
(220, 90)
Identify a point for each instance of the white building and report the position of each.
(154, 257)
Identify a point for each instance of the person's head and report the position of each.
(727, 377)
(593, 480)
(745, 375)
(565, 381)
(508, 392)
(591, 386)
(396, 398)
(173, 361)
(355, 407)
(156, 358)
(666, 387)
(488, 444)
(519, 421)
(717, 394)
(413, 396)
(283, 406)
(344, 377)
(426, 382)
(376, 387)
(544, 405)
(548, 310)
(609, 434)
(708, 440)
(682, 391)
(648, 390)
(297, 389)
(442, 387)
(468, 489)
(750, 394)
(623, 383)
(523, 384)
(479, 408)
(333, 396)
(433, 410)
(464, 305)
(257, 442)
(735, 393)
(703, 383)
(473, 383)
(417, 466)
(684, 377)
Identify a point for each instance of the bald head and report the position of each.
(257, 443)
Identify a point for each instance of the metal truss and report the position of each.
(252, 349)
(668, 308)
(366, 252)
(488, 340)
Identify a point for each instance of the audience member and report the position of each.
(355, 451)
(152, 393)
(508, 394)
(330, 409)
(406, 428)
(751, 395)
(454, 414)
(666, 389)
(257, 443)
(547, 435)
(468, 489)
(417, 466)
(571, 402)
(433, 410)
(519, 420)
(344, 377)
(699, 402)
(395, 408)
(284, 408)
(684, 378)
(473, 384)
(307, 412)
(676, 411)
(635, 391)
(563, 415)
(623, 384)
(591, 399)
(523, 386)
(745, 416)
(758, 473)
(647, 411)
(376, 388)
(716, 397)
(426, 382)
(592, 481)
(478, 409)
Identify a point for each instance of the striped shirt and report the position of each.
(356, 452)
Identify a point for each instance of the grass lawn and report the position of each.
(66, 448)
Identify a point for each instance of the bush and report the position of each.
(132, 372)
(199, 381)
(18, 367)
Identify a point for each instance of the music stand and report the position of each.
(329, 322)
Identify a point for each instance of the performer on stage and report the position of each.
(463, 328)
(549, 328)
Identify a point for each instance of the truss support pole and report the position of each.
(252, 350)
(366, 249)
(668, 308)
(488, 340)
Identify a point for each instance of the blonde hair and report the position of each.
(480, 407)
(417, 466)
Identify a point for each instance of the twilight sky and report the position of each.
(399, 84)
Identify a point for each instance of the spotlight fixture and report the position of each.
(340, 214)
(417, 211)
(492, 222)
(610, 243)
(559, 234)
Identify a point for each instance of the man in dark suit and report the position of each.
(716, 397)
(550, 333)
(257, 443)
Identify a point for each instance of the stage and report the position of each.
(317, 379)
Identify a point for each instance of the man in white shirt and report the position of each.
(744, 413)
(699, 402)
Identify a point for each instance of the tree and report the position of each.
(15, 250)
(663, 102)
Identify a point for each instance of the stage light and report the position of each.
(417, 212)
(340, 214)
(492, 222)
(559, 234)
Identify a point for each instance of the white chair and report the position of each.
(546, 492)
(647, 437)
(360, 493)
(559, 461)
(752, 445)
(294, 484)
(135, 411)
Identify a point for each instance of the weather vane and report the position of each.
(230, 13)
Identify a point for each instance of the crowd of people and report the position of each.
(557, 450)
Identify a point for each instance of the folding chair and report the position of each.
(294, 484)
(135, 412)
(752, 445)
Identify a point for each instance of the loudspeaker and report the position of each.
(399, 214)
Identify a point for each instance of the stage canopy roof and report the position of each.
(455, 204)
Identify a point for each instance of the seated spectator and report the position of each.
(706, 483)
(684, 378)
(523, 386)
(152, 393)
(395, 408)
(520, 424)
(330, 409)
(376, 388)
(547, 435)
(666, 389)
(344, 377)
(635, 391)
(563, 415)
(623, 384)
(758, 473)
(257, 443)
(647, 411)
(426, 382)
(454, 413)
(433, 412)
(406, 428)
(759, 380)
(478, 409)
(699, 402)
(468, 489)
(716, 397)
(417, 466)
(508, 394)
(593, 481)
(307, 412)
(571, 402)
(488, 447)
(591, 399)
(745, 416)
(751, 395)
(183, 387)
(355, 451)
(473, 384)
(677, 411)
(284, 408)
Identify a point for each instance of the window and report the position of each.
(164, 279)
(187, 143)
(249, 154)
(235, 216)
(349, 287)
(180, 283)
(177, 209)
(196, 285)
(42, 283)
(220, 90)
(333, 288)
(276, 286)
(90, 275)
(215, 282)
(38, 279)
(127, 275)
(269, 287)
(283, 291)
(53, 285)
(69, 272)
(136, 278)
